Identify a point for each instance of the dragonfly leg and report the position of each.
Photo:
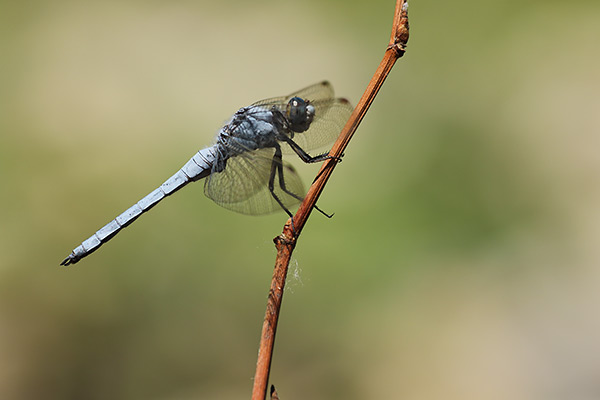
(278, 165)
(307, 158)
(323, 212)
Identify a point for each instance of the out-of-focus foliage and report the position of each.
(462, 261)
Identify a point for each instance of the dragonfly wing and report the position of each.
(319, 91)
(243, 186)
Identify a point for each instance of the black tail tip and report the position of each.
(71, 259)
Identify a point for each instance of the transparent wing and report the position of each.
(319, 91)
(331, 115)
(243, 186)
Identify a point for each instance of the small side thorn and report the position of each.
(274, 395)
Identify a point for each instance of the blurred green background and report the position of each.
(462, 261)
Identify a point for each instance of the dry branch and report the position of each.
(286, 242)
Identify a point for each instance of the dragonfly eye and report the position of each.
(300, 114)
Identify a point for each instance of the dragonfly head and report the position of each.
(300, 114)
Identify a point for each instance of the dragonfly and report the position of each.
(244, 170)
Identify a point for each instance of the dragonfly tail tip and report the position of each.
(71, 259)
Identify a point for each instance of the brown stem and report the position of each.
(286, 242)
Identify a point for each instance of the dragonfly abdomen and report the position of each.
(198, 167)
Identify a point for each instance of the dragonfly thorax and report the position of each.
(251, 128)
